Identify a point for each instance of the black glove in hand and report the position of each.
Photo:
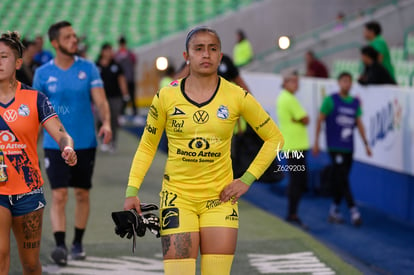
(128, 223)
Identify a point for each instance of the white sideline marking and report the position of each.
(302, 262)
(109, 266)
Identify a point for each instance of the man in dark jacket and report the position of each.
(374, 72)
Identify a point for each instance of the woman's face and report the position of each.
(204, 53)
(8, 62)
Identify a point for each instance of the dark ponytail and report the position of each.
(12, 40)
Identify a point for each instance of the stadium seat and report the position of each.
(403, 72)
(410, 45)
(353, 66)
(397, 54)
(141, 21)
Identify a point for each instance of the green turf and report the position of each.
(260, 232)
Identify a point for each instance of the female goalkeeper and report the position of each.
(198, 206)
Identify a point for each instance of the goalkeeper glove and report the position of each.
(128, 223)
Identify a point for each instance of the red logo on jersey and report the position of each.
(7, 136)
(10, 115)
(174, 83)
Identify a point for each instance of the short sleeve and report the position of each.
(36, 81)
(327, 106)
(44, 108)
(297, 111)
(359, 109)
(96, 80)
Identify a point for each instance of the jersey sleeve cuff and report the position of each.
(131, 191)
(248, 178)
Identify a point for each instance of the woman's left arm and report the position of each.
(56, 130)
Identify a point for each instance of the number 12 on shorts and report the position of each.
(167, 199)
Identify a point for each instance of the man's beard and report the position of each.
(66, 52)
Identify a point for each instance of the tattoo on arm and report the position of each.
(182, 244)
(166, 243)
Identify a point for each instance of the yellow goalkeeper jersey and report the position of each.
(199, 139)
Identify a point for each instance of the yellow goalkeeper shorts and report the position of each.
(180, 214)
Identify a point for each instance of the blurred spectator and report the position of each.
(374, 72)
(340, 21)
(243, 51)
(293, 120)
(373, 35)
(168, 76)
(116, 90)
(361, 14)
(26, 72)
(314, 67)
(82, 47)
(342, 114)
(42, 56)
(127, 60)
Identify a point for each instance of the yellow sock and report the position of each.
(216, 264)
(180, 267)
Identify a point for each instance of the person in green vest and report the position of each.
(373, 35)
(243, 51)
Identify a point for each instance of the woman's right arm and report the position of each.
(145, 153)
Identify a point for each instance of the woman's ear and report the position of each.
(185, 55)
(19, 63)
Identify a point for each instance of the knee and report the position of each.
(82, 196)
(32, 267)
(60, 197)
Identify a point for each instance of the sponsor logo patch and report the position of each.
(23, 110)
(81, 75)
(233, 216)
(177, 125)
(200, 117)
(151, 129)
(51, 79)
(263, 123)
(199, 143)
(213, 203)
(223, 112)
(153, 112)
(7, 136)
(170, 218)
(10, 115)
(177, 112)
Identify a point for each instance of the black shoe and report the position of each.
(297, 222)
(335, 218)
(77, 252)
(60, 255)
